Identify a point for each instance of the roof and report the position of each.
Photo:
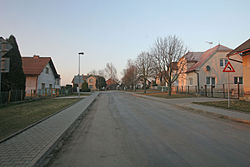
(35, 65)
(242, 48)
(82, 78)
(193, 56)
(207, 54)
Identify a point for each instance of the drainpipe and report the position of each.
(198, 82)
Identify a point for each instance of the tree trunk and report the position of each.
(144, 84)
(169, 89)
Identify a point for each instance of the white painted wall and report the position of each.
(47, 78)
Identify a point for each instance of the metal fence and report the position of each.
(20, 95)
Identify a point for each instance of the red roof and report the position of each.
(35, 65)
(207, 54)
(240, 49)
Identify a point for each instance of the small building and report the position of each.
(41, 76)
(111, 84)
(160, 81)
(244, 51)
(78, 80)
(91, 80)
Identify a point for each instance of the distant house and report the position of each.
(160, 80)
(111, 84)
(244, 51)
(92, 82)
(206, 69)
(79, 79)
(90, 79)
(41, 75)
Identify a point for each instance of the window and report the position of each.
(238, 79)
(90, 86)
(223, 62)
(190, 81)
(43, 85)
(210, 80)
(50, 86)
(91, 80)
(47, 70)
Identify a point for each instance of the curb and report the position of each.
(44, 159)
(221, 116)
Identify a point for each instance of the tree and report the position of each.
(130, 75)
(110, 71)
(144, 67)
(167, 52)
(85, 87)
(15, 79)
(100, 82)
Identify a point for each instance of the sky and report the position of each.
(115, 30)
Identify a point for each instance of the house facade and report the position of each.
(206, 70)
(41, 76)
(90, 79)
(244, 51)
(92, 82)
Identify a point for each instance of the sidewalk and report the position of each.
(30, 147)
(187, 103)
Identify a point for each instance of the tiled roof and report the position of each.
(207, 54)
(243, 47)
(34, 65)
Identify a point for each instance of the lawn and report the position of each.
(234, 105)
(18, 116)
(165, 95)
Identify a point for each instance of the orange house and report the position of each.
(244, 51)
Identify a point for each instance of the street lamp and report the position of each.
(80, 53)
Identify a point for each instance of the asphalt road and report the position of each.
(122, 130)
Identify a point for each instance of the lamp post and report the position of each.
(80, 53)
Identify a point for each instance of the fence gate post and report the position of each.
(9, 96)
(212, 91)
(205, 90)
(188, 89)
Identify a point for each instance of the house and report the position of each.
(205, 69)
(90, 79)
(244, 51)
(78, 80)
(41, 75)
(111, 84)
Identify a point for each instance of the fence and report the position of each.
(21, 95)
(219, 90)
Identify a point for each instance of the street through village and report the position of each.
(121, 130)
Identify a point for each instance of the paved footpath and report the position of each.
(188, 104)
(28, 148)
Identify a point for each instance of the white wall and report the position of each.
(46, 78)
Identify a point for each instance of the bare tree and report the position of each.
(130, 75)
(110, 72)
(144, 67)
(167, 52)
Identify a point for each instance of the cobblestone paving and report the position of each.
(26, 148)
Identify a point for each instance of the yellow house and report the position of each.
(244, 51)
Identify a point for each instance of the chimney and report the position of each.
(36, 57)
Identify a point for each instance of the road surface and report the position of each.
(122, 130)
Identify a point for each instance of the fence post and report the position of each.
(196, 89)
(212, 91)
(182, 89)
(21, 95)
(224, 95)
(205, 90)
(9, 96)
(176, 89)
(188, 89)
(238, 86)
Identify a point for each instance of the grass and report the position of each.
(18, 116)
(165, 95)
(238, 105)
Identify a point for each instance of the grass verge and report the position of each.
(18, 116)
(238, 105)
(165, 95)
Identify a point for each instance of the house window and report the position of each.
(46, 70)
(210, 80)
(90, 86)
(223, 62)
(238, 79)
(190, 81)
(50, 86)
(91, 80)
(43, 85)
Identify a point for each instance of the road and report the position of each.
(122, 130)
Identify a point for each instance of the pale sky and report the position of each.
(115, 30)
